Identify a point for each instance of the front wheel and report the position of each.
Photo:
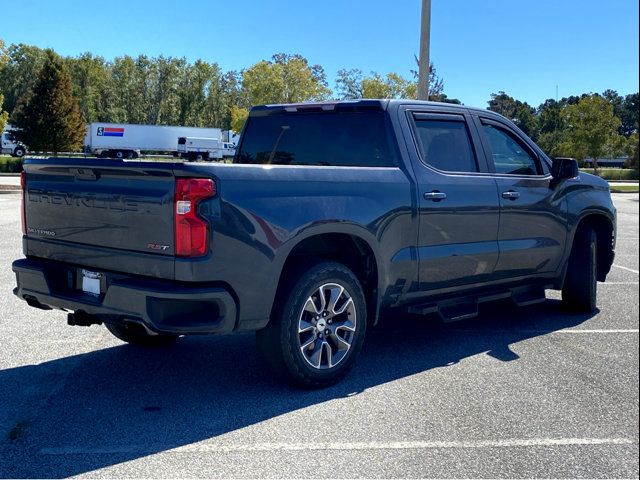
(579, 292)
(318, 331)
(137, 336)
(19, 152)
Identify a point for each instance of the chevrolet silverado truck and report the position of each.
(331, 215)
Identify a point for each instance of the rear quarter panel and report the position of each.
(263, 212)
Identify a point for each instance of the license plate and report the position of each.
(91, 282)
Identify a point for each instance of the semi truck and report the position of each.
(9, 144)
(121, 141)
(194, 148)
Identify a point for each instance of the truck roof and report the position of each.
(364, 104)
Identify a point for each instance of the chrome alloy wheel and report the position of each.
(326, 326)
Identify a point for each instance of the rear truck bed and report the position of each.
(102, 238)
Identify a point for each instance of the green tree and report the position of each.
(263, 83)
(3, 116)
(196, 80)
(23, 62)
(349, 84)
(632, 161)
(592, 130)
(436, 84)
(90, 76)
(391, 86)
(520, 113)
(3, 60)
(125, 95)
(352, 84)
(165, 86)
(285, 79)
(239, 116)
(629, 115)
(48, 117)
(549, 118)
(224, 93)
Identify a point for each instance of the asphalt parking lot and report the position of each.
(532, 392)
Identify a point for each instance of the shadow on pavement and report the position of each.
(149, 401)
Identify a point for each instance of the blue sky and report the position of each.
(525, 48)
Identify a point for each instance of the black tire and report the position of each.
(119, 154)
(137, 336)
(579, 292)
(280, 343)
(19, 152)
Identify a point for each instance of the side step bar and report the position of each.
(456, 309)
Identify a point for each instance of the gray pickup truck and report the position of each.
(331, 215)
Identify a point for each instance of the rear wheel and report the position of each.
(317, 332)
(579, 292)
(137, 336)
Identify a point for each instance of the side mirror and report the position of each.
(564, 168)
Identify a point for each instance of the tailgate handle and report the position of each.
(85, 174)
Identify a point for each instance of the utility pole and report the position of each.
(423, 67)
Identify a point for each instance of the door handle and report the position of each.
(511, 195)
(435, 196)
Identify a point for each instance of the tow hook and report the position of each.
(82, 319)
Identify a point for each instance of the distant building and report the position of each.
(608, 162)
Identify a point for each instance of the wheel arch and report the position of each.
(340, 245)
(605, 227)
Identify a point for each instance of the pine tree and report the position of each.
(48, 117)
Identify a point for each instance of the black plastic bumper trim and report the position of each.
(162, 305)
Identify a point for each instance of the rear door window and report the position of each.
(358, 139)
(446, 145)
(510, 155)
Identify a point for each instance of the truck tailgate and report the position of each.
(101, 213)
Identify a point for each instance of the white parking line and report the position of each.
(545, 332)
(598, 330)
(627, 269)
(341, 446)
(617, 283)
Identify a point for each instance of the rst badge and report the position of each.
(157, 246)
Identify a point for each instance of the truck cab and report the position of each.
(198, 148)
(9, 145)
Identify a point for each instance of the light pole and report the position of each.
(423, 67)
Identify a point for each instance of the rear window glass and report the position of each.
(358, 139)
(446, 145)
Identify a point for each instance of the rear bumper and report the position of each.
(162, 306)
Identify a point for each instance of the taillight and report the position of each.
(192, 232)
(23, 217)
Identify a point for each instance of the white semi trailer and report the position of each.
(118, 140)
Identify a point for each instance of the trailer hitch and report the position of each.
(81, 318)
